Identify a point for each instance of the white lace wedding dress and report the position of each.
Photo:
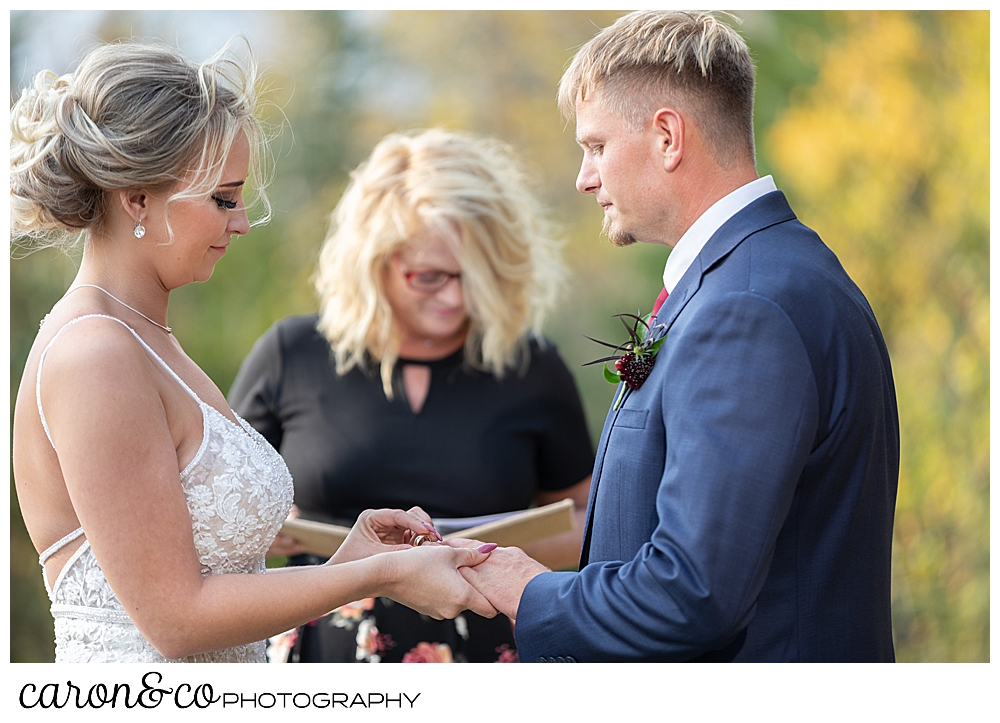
(238, 492)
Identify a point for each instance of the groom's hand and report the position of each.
(503, 576)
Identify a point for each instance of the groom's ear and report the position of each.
(669, 129)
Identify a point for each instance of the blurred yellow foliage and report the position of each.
(887, 157)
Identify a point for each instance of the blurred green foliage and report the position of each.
(875, 124)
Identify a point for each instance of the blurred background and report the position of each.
(875, 124)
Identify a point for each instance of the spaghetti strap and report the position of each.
(41, 361)
(54, 548)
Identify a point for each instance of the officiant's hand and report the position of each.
(502, 578)
(285, 545)
(384, 530)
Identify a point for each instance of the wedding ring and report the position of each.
(419, 540)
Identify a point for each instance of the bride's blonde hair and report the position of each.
(131, 116)
(468, 189)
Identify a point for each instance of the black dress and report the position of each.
(478, 446)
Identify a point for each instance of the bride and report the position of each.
(153, 504)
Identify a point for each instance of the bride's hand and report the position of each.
(384, 531)
(427, 579)
(464, 542)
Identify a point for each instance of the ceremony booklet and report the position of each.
(507, 529)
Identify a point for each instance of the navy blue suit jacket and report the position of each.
(743, 497)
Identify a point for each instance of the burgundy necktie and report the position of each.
(659, 300)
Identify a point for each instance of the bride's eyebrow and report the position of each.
(234, 184)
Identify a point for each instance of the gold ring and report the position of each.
(419, 540)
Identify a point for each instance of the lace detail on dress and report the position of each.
(236, 508)
(92, 627)
(238, 492)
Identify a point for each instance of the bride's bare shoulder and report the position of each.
(92, 350)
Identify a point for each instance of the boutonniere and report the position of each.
(634, 358)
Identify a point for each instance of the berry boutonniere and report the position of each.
(634, 358)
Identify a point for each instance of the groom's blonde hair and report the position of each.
(690, 61)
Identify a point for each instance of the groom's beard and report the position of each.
(616, 236)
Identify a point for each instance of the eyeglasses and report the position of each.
(427, 282)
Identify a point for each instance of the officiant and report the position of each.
(424, 379)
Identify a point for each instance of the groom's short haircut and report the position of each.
(690, 61)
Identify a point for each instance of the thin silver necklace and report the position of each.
(101, 288)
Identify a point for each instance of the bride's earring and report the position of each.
(138, 229)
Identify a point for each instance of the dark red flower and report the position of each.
(634, 365)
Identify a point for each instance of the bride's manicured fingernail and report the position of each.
(433, 532)
(488, 547)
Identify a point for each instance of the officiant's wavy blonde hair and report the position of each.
(691, 61)
(471, 191)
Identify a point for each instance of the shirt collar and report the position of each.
(698, 234)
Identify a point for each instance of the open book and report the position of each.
(507, 529)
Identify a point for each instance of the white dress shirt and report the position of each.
(695, 238)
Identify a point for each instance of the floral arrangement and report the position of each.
(633, 359)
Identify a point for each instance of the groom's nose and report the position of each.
(588, 180)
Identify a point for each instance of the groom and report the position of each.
(743, 495)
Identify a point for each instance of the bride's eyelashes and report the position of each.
(224, 203)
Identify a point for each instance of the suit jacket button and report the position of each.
(570, 659)
(560, 659)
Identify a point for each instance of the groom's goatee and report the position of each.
(617, 237)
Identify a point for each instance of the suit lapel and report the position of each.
(768, 210)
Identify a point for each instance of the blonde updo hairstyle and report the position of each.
(132, 116)
(468, 189)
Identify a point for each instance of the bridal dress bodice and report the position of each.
(238, 492)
